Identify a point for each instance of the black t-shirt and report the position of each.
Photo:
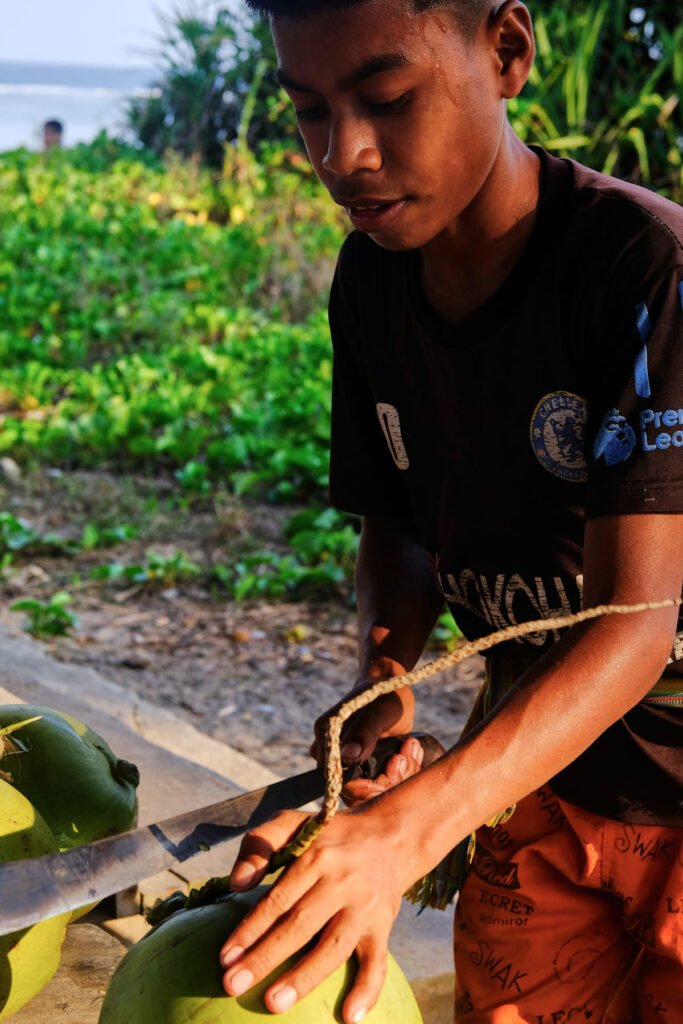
(560, 398)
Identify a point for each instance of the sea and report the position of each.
(85, 99)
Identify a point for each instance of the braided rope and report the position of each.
(334, 771)
(333, 765)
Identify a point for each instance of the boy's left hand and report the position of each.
(347, 886)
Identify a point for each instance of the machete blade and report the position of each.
(41, 887)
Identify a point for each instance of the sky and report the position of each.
(120, 33)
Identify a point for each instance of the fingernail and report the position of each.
(242, 874)
(402, 766)
(232, 955)
(351, 751)
(418, 752)
(241, 982)
(358, 1014)
(283, 998)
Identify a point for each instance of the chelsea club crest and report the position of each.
(558, 427)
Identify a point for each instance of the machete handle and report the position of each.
(386, 748)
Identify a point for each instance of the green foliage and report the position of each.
(15, 534)
(156, 571)
(124, 336)
(47, 618)
(323, 547)
(18, 535)
(268, 574)
(254, 406)
(215, 87)
(445, 633)
(606, 89)
(166, 317)
(100, 155)
(193, 478)
(94, 536)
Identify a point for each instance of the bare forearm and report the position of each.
(398, 601)
(586, 683)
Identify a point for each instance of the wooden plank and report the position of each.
(74, 996)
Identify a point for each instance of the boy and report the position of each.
(507, 420)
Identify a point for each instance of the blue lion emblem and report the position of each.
(615, 439)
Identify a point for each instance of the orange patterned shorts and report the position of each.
(566, 917)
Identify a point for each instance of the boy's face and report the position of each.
(401, 115)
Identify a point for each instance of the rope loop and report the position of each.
(334, 771)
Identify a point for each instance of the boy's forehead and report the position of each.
(371, 65)
(353, 43)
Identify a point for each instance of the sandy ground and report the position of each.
(254, 675)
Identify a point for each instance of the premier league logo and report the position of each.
(615, 439)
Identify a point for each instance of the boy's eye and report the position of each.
(315, 113)
(389, 106)
(309, 113)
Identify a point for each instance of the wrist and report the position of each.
(403, 695)
(379, 667)
(381, 825)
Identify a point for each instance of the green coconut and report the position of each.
(70, 774)
(173, 976)
(30, 957)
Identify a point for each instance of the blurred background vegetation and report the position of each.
(606, 89)
(162, 299)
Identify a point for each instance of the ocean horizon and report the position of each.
(85, 98)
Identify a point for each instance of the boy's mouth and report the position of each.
(373, 215)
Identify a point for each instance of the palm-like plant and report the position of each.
(606, 88)
(213, 67)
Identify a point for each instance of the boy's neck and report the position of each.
(464, 265)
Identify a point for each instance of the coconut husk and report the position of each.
(8, 745)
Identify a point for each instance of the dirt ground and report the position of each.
(252, 674)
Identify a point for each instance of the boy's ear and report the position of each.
(514, 42)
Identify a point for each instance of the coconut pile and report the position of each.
(61, 786)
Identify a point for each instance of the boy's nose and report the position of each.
(351, 147)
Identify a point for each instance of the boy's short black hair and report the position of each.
(468, 12)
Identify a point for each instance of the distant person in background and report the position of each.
(52, 134)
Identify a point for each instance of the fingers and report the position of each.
(331, 952)
(357, 792)
(384, 717)
(258, 846)
(372, 971)
(277, 928)
(331, 893)
(401, 766)
(292, 890)
(335, 946)
(412, 752)
(389, 715)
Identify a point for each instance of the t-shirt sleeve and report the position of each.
(363, 478)
(634, 436)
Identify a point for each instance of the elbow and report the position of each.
(648, 649)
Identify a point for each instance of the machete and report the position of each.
(41, 887)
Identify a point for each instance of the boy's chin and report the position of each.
(402, 240)
(392, 244)
(418, 225)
